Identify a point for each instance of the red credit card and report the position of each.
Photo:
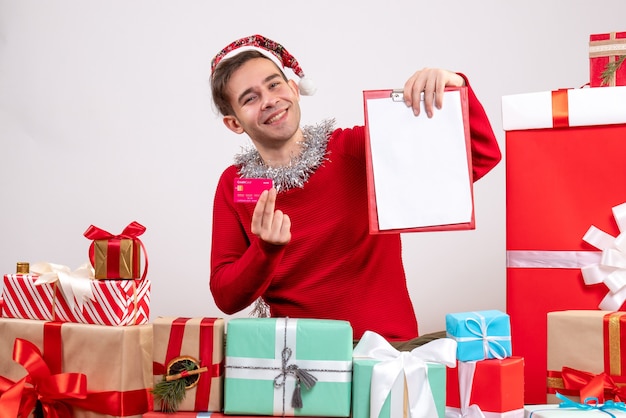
(249, 190)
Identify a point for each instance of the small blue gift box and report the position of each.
(480, 335)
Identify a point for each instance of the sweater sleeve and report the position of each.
(485, 150)
(241, 268)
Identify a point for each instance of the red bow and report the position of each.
(599, 386)
(55, 392)
(132, 231)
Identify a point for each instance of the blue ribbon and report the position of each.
(592, 403)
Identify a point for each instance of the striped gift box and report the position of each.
(114, 302)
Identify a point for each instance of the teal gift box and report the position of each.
(395, 402)
(480, 335)
(387, 383)
(288, 367)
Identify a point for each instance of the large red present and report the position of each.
(62, 295)
(87, 371)
(194, 345)
(607, 52)
(496, 386)
(565, 172)
(585, 358)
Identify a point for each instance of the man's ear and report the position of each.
(294, 87)
(233, 124)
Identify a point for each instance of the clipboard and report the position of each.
(419, 169)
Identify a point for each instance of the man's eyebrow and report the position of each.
(266, 80)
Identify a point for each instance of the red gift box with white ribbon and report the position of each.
(565, 172)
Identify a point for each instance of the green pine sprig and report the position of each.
(172, 392)
(610, 70)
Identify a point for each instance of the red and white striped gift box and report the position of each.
(115, 302)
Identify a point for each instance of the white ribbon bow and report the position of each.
(75, 285)
(411, 364)
(466, 371)
(611, 269)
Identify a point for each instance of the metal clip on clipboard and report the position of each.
(397, 95)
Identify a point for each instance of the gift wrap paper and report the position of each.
(605, 48)
(589, 341)
(395, 404)
(559, 182)
(553, 411)
(255, 350)
(114, 359)
(480, 335)
(498, 386)
(117, 259)
(115, 302)
(203, 340)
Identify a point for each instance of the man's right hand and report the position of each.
(272, 226)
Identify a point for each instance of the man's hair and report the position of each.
(222, 73)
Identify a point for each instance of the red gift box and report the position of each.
(114, 302)
(117, 256)
(198, 339)
(607, 49)
(498, 385)
(559, 182)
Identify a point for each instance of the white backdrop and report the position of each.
(106, 118)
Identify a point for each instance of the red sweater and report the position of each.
(332, 268)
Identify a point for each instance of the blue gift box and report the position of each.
(480, 335)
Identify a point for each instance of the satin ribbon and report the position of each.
(491, 345)
(466, 370)
(560, 109)
(132, 231)
(592, 403)
(611, 269)
(411, 365)
(590, 385)
(54, 391)
(75, 285)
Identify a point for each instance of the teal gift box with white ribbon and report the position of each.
(388, 383)
(480, 335)
(288, 367)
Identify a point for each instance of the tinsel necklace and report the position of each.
(297, 172)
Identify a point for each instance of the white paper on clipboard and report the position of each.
(420, 166)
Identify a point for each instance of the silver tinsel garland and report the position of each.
(298, 171)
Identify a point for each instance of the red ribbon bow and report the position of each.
(132, 231)
(54, 391)
(591, 385)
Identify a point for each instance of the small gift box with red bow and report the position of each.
(117, 256)
(388, 383)
(585, 359)
(565, 171)
(607, 53)
(189, 350)
(74, 370)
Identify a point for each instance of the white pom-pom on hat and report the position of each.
(274, 51)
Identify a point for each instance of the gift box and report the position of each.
(560, 180)
(388, 383)
(190, 344)
(117, 256)
(496, 386)
(568, 409)
(606, 57)
(584, 355)
(287, 366)
(79, 300)
(480, 335)
(108, 368)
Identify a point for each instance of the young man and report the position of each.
(304, 248)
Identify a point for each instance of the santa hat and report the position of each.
(273, 50)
